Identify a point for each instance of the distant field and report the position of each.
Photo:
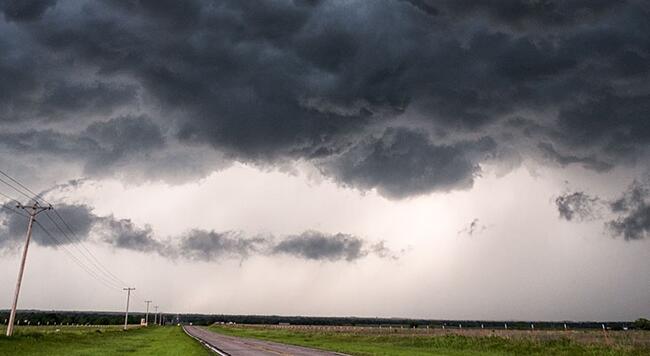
(385, 341)
(103, 340)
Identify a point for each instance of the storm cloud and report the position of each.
(629, 214)
(577, 206)
(633, 210)
(100, 146)
(81, 224)
(315, 245)
(210, 245)
(14, 225)
(474, 227)
(405, 97)
(403, 162)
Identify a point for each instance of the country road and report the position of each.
(238, 346)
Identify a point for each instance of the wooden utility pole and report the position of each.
(146, 316)
(32, 211)
(128, 296)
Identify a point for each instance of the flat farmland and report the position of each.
(421, 341)
(100, 340)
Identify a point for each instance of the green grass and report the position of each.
(100, 341)
(415, 345)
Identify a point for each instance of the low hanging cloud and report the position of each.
(210, 245)
(13, 227)
(474, 227)
(196, 245)
(577, 206)
(629, 214)
(633, 209)
(124, 234)
(314, 245)
(588, 162)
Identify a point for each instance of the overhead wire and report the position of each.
(14, 211)
(6, 207)
(74, 239)
(20, 184)
(100, 271)
(98, 278)
(16, 189)
(88, 255)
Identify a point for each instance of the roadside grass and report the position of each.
(416, 345)
(110, 340)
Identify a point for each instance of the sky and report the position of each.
(395, 158)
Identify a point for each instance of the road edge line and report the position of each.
(205, 344)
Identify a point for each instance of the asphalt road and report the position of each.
(238, 346)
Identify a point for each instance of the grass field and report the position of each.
(373, 341)
(104, 340)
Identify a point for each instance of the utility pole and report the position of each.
(33, 210)
(128, 296)
(146, 316)
(155, 316)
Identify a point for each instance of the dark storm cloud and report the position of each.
(24, 10)
(310, 245)
(124, 234)
(522, 14)
(314, 245)
(577, 206)
(99, 146)
(198, 245)
(273, 80)
(633, 210)
(402, 162)
(14, 226)
(588, 162)
(426, 6)
(210, 245)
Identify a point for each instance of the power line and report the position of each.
(107, 271)
(75, 240)
(14, 211)
(16, 189)
(22, 186)
(34, 210)
(8, 197)
(95, 269)
(88, 255)
(74, 258)
(107, 283)
(10, 208)
(52, 238)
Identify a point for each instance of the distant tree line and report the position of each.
(34, 317)
(642, 324)
(30, 317)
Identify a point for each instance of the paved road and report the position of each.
(238, 346)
